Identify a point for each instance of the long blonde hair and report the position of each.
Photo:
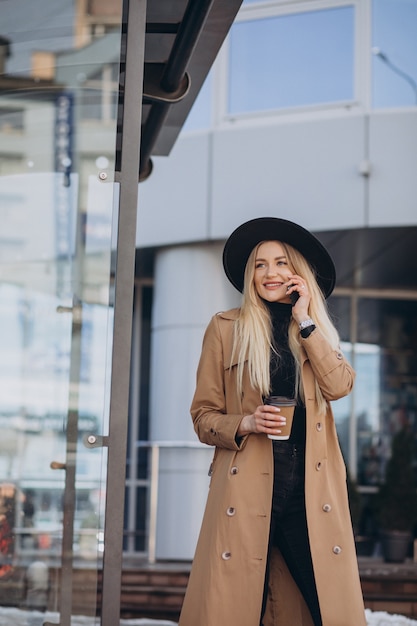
(253, 327)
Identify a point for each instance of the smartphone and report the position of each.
(294, 297)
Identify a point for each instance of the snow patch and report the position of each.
(379, 618)
(17, 617)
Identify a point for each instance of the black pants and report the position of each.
(289, 524)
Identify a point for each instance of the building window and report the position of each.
(395, 52)
(340, 310)
(388, 398)
(292, 60)
(382, 346)
(11, 120)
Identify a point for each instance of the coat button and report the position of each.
(234, 470)
(337, 549)
(213, 432)
(339, 355)
(231, 511)
(327, 508)
(318, 466)
(226, 556)
(319, 426)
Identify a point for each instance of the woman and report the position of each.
(276, 544)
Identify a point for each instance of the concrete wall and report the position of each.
(344, 171)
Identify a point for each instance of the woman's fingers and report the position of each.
(297, 284)
(268, 419)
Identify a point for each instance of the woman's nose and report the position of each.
(271, 270)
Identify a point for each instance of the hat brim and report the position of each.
(244, 239)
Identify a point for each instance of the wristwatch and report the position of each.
(306, 323)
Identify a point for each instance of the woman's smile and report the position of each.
(273, 285)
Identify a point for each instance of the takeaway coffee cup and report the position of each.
(287, 406)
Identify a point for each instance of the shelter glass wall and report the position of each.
(58, 96)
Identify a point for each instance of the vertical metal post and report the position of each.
(135, 12)
(69, 499)
(153, 503)
(353, 425)
(70, 465)
(66, 585)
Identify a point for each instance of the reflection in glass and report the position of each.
(389, 377)
(384, 397)
(339, 309)
(292, 60)
(57, 133)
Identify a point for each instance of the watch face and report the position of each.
(306, 323)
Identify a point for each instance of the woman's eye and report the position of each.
(282, 263)
(258, 265)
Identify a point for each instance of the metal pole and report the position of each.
(397, 70)
(133, 44)
(153, 503)
(353, 425)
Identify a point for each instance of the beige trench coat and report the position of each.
(228, 572)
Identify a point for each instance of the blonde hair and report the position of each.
(253, 328)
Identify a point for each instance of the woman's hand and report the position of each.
(266, 419)
(296, 284)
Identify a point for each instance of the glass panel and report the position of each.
(395, 52)
(340, 312)
(58, 88)
(387, 399)
(292, 60)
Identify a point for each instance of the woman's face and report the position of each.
(272, 272)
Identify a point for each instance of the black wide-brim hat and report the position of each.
(244, 239)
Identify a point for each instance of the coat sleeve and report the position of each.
(212, 423)
(335, 376)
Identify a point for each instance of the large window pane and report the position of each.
(292, 60)
(340, 312)
(387, 373)
(394, 43)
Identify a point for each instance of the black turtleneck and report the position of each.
(282, 365)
